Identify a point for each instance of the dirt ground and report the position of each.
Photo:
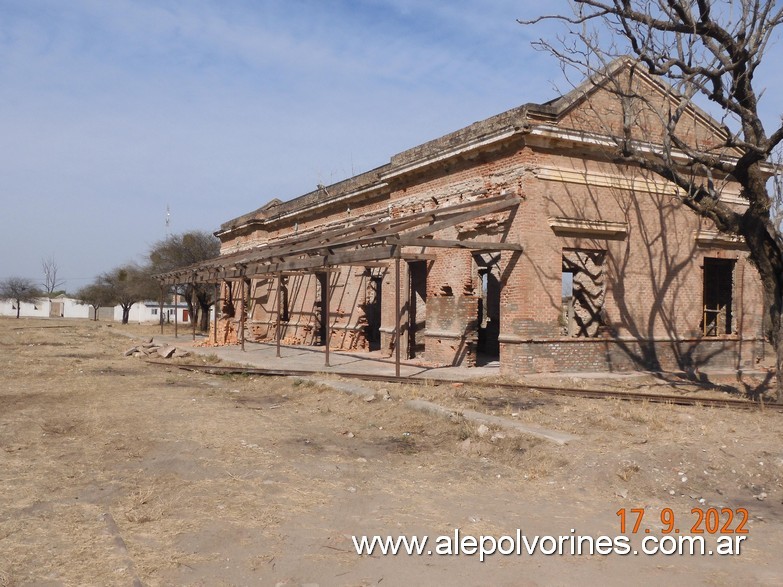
(117, 472)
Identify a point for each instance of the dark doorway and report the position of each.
(488, 347)
(417, 308)
(321, 311)
(372, 311)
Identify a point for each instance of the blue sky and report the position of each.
(112, 110)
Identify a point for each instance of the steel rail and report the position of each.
(679, 400)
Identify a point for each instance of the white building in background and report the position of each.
(150, 312)
(58, 307)
(65, 307)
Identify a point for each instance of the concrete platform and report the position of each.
(308, 359)
(312, 358)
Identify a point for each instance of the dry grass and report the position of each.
(196, 469)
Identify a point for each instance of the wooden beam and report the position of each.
(368, 231)
(374, 230)
(194, 304)
(454, 244)
(418, 256)
(358, 256)
(242, 315)
(397, 316)
(327, 326)
(465, 217)
(162, 296)
(176, 311)
(279, 328)
(215, 312)
(367, 264)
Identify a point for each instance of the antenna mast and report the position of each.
(168, 221)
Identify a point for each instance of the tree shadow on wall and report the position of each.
(649, 281)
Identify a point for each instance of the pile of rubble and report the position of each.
(152, 349)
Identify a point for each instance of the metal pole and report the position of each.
(215, 313)
(176, 311)
(398, 316)
(326, 316)
(162, 294)
(279, 326)
(242, 314)
(194, 302)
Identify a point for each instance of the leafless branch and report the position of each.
(50, 270)
(706, 50)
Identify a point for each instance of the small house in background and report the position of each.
(150, 312)
(60, 306)
(516, 239)
(37, 309)
(65, 307)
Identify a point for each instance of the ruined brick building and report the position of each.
(515, 239)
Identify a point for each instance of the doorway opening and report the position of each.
(372, 311)
(488, 319)
(417, 308)
(321, 311)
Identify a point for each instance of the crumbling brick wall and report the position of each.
(651, 294)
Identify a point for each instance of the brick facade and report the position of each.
(642, 293)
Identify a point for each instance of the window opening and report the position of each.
(583, 292)
(718, 279)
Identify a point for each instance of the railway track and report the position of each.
(679, 400)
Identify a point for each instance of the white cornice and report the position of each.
(326, 203)
(544, 132)
(715, 239)
(466, 147)
(633, 183)
(316, 206)
(588, 228)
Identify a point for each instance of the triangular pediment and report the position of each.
(624, 95)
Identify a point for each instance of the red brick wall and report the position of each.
(451, 330)
(653, 276)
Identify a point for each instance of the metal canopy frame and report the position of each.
(371, 240)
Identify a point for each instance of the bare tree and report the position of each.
(19, 290)
(182, 250)
(708, 51)
(50, 269)
(777, 189)
(127, 285)
(97, 295)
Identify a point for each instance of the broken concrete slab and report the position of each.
(489, 420)
(345, 386)
(470, 415)
(523, 428)
(167, 351)
(149, 349)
